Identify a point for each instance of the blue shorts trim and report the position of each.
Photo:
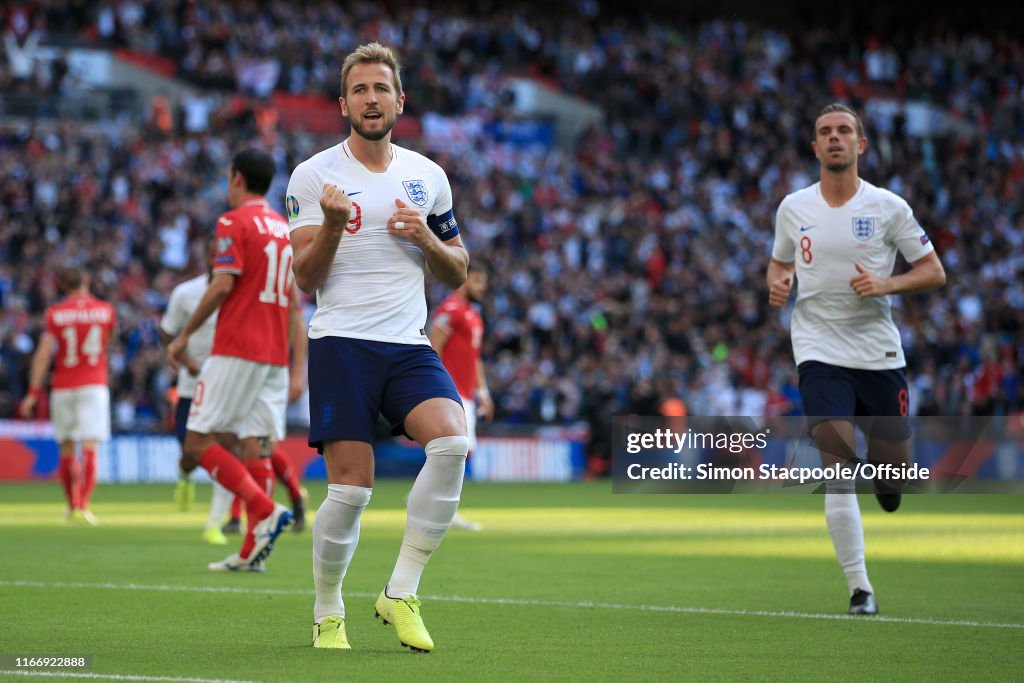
(352, 381)
(181, 417)
(874, 400)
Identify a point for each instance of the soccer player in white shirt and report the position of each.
(839, 238)
(366, 217)
(182, 303)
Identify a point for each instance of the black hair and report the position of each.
(256, 167)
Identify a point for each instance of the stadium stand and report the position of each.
(627, 263)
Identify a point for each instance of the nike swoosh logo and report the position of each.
(805, 228)
(353, 194)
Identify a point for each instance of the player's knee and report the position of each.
(189, 460)
(229, 442)
(448, 446)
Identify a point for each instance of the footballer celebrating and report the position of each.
(839, 239)
(367, 217)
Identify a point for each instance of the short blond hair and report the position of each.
(371, 53)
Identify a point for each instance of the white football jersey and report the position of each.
(831, 324)
(183, 302)
(375, 289)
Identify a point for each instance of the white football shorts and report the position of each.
(81, 414)
(240, 397)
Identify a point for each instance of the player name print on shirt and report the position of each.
(83, 316)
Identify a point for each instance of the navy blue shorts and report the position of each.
(352, 381)
(181, 417)
(874, 400)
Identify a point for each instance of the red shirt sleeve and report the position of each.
(448, 318)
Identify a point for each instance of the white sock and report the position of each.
(432, 504)
(335, 536)
(220, 503)
(842, 516)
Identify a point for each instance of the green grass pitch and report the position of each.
(566, 582)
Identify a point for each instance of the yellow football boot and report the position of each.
(185, 494)
(330, 633)
(82, 516)
(214, 536)
(404, 613)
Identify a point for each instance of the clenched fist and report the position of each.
(336, 205)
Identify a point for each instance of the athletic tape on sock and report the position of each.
(356, 496)
(448, 445)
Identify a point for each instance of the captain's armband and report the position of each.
(444, 226)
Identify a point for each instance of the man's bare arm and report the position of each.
(314, 247)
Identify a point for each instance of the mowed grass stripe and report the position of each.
(520, 602)
(985, 538)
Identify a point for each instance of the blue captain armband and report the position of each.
(444, 226)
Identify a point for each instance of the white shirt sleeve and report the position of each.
(784, 249)
(174, 317)
(302, 200)
(908, 235)
(443, 200)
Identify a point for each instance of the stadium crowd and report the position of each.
(626, 270)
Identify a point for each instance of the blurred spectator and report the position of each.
(628, 268)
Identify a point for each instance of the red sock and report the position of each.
(232, 475)
(236, 508)
(285, 471)
(70, 476)
(89, 475)
(263, 474)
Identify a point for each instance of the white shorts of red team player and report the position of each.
(81, 414)
(240, 397)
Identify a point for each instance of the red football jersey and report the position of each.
(461, 352)
(81, 324)
(252, 243)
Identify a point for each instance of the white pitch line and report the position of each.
(529, 603)
(152, 587)
(722, 611)
(121, 677)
